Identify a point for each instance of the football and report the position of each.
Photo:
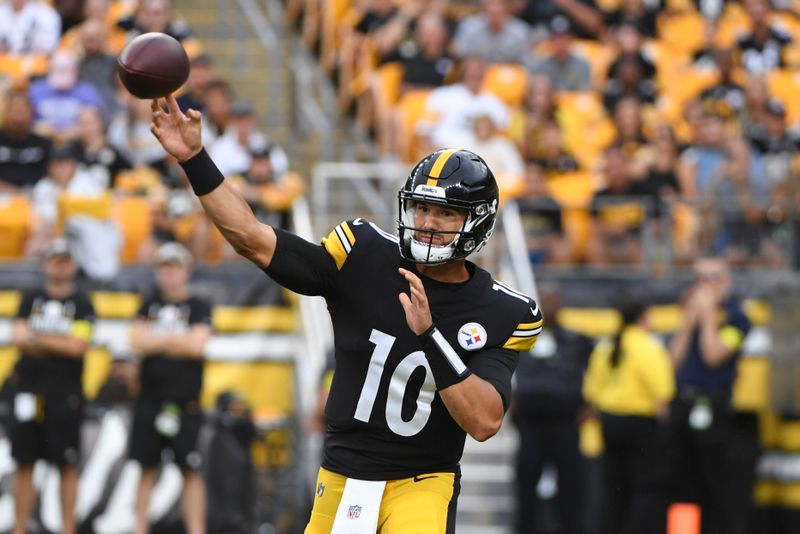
(152, 65)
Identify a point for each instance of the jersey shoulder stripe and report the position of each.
(527, 330)
(339, 243)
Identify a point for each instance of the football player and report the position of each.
(425, 341)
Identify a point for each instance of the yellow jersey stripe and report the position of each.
(520, 344)
(334, 246)
(529, 326)
(349, 233)
(82, 330)
(438, 165)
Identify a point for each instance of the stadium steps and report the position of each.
(486, 504)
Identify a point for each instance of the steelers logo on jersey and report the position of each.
(472, 336)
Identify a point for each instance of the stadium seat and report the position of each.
(682, 32)
(134, 219)
(99, 207)
(20, 68)
(508, 82)
(599, 56)
(733, 23)
(586, 126)
(413, 108)
(16, 216)
(333, 15)
(784, 84)
(574, 192)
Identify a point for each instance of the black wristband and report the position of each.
(203, 174)
(447, 367)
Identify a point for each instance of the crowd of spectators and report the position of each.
(685, 108)
(76, 154)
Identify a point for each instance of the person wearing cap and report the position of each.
(241, 136)
(568, 71)
(169, 333)
(52, 331)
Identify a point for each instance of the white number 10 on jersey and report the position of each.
(397, 387)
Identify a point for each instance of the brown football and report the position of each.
(152, 65)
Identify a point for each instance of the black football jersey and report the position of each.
(164, 377)
(70, 316)
(385, 419)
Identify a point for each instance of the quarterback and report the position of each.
(425, 341)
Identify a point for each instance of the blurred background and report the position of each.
(629, 138)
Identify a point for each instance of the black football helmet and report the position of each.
(458, 179)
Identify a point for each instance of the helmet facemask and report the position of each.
(475, 231)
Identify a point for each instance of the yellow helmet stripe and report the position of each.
(438, 165)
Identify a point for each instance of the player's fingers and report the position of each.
(172, 105)
(154, 105)
(155, 131)
(405, 302)
(194, 115)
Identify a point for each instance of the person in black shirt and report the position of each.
(425, 341)
(546, 408)
(762, 49)
(52, 332)
(170, 332)
(23, 154)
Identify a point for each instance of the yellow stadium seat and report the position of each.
(733, 23)
(586, 126)
(686, 85)
(20, 68)
(574, 192)
(413, 107)
(16, 216)
(134, 218)
(99, 207)
(388, 79)
(784, 84)
(599, 55)
(508, 82)
(682, 31)
(333, 14)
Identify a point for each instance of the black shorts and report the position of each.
(52, 432)
(148, 442)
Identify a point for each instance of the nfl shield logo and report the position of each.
(354, 512)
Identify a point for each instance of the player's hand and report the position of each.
(418, 313)
(179, 134)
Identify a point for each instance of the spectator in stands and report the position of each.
(542, 219)
(739, 195)
(218, 99)
(170, 333)
(201, 73)
(568, 71)
(97, 66)
(756, 96)
(701, 161)
(499, 152)
(58, 99)
(629, 40)
(457, 105)
(659, 165)
(23, 154)
(269, 193)
(630, 381)
(494, 35)
(725, 89)
(628, 82)
(75, 199)
(762, 49)
(620, 213)
(539, 109)
(704, 351)
(129, 133)
(775, 142)
(628, 122)
(154, 16)
(549, 153)
(638, 12)
(101, 11)
(240, 138)
(584, 15)
(546, 407)
(28, 27)
(426, 62)
(393, 28)
(52, 331)
(104, 161)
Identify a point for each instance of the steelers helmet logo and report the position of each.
(472, 336)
